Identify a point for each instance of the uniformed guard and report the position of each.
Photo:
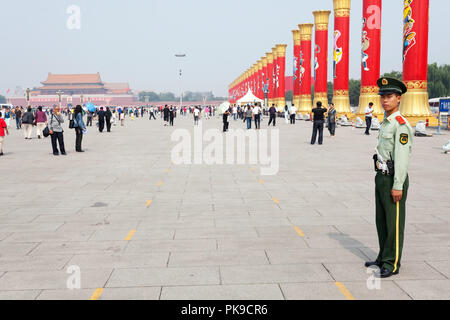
(392, 182)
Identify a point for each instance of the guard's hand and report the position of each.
(397, 195)
(51, 132)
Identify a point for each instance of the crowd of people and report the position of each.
(49, 121)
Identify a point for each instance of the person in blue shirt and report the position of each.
(80, 127)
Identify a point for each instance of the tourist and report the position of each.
(40, 121)
(108, 116)
(80, 127)
(249, 116)
(331, 120)
(152, 113)
(114, 117)
(7, 116)
(319, 118)
(122, 118)
(27, 121)
(293, 113)
(196, 116)
(225, 120)
(286, 114)
(273, 115)
(369, 116)
(3, 131)
(56, 131)
(171, 115)
(90, 115)
(101, 119)
(166, 115)
(257, 116)
(235, 112)
(18, 114)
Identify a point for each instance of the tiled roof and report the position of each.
(62, 87)
(72, 78)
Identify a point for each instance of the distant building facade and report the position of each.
(74, 88)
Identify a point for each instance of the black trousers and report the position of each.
(108, 125)
(292, 118)
(60, 137)
(89, 122)
(225, 126)
(332, 128)
(273, 117)
(78, 138)
(318, 127)
(152, 115)
(368, 124)
(171, 121)
(101, 125)
(258, 121)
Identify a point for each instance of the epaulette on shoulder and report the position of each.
(400, 120)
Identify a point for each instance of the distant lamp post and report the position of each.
(181, 77)
(81, 99)
(147, 98)
(28, 96)
(59, 93)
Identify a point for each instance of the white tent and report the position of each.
(249, 98)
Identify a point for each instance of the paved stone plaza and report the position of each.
(213, 232)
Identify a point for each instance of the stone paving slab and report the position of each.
(239, 257)
(33, 263)
(225, 292)
(32, 280)
(164, 277)
(145, 294)
(274, 274)
(289, 256)
(426, 289)
(19, 295)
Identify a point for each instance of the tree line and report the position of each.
(438, 84)
(171, 97)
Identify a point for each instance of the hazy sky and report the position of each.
(135, 40)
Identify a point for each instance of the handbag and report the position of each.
(46, 132)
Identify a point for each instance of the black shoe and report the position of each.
(39, 137)
(1, 153)
(373, 264)
(385, 273)
(63, 154)
(56, 154)
(80, 150)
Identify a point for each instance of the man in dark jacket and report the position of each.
(273, 115)
(108, 116)
(101, 119)
(319, 119)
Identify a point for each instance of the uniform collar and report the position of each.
(393, 116)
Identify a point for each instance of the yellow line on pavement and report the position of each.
(276, 200)
(149, 202)
(252, 169)
(97, 293)
(344, 291)
(160, 184)
(130, 235)
(167, 171)
(299, 231)
(261, 181)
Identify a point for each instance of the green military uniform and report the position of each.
(394, 144)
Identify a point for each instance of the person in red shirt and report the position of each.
(3, 130)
